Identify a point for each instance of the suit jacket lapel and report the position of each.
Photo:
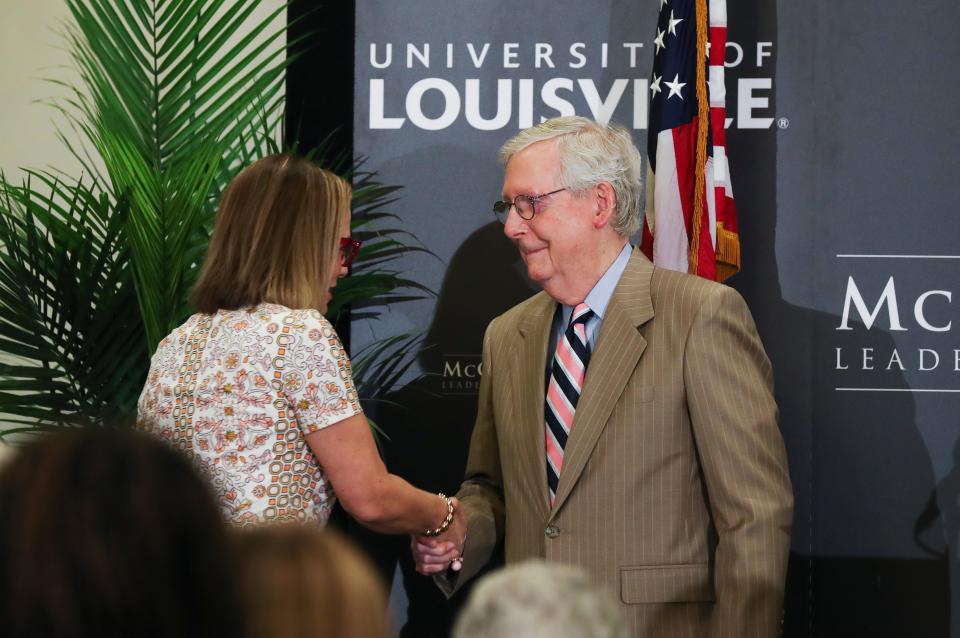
(618, 349)
(531, 364)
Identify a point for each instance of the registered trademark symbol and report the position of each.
(783, 122)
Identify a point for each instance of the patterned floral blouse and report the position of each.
(237, 391)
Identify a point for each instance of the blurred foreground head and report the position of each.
(300, 582)
(539, 600)
(105, 532)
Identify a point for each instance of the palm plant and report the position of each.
(95, 270)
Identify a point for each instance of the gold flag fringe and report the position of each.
(728, 252)
(703, 123)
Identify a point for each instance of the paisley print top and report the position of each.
(237, 391)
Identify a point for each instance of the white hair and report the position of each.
(537, 600)
(591, 153)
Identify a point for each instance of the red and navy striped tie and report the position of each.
(563, 391)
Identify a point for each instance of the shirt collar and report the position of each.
(599, 297)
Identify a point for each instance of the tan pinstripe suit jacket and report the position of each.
(674, 491)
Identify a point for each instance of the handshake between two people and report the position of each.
(437, 553)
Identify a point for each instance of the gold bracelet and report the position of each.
(446, 522)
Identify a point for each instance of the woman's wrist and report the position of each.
(448, 509)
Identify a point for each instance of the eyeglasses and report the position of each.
(349, 247)
(526, 206)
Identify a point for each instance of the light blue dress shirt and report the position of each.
(597, 299)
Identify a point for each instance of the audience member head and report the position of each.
(277, 238)
(537, 600)
(300, 582)
(105, 532)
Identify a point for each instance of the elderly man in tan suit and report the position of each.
(626, 418)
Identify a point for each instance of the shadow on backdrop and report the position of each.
(861, 473)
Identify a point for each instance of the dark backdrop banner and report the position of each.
(842, 141)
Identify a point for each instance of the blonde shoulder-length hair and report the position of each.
(296, 581)
(276, 237)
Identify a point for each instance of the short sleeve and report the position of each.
(314, 371)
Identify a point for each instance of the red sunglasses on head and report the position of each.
(349, 247)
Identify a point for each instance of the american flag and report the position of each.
(671, 236)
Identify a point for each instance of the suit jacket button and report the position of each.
(552, 531)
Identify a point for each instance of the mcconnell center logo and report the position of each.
(460, 374)
(901, 324)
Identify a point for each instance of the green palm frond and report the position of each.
(374, 283)
(65, 294)
(171, 103)
(381, 368)
(174, 98)
(174, 104)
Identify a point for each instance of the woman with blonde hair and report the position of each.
(296, 582)
(256, 387)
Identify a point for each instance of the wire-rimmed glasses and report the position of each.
(526, 206)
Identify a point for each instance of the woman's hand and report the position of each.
(436, 554)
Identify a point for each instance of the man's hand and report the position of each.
(435, 554)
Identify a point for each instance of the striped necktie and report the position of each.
(563, 391)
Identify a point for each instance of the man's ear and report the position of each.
(606, 204)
